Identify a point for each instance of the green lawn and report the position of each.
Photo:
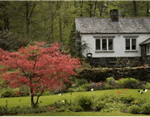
(83, 114)
(25, 101)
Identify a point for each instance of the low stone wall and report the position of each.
(142, 74)
(116, 61)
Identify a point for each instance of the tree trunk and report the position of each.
(29, 13)
(95, 6)
(60, 28)
(6, 16)
(81, 5)
(135, 8)
(33, 105)
(147, 10)
(60, 22)
(27, 18)
(75, 5)
(101, 10)
(90, 9)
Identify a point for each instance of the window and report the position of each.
(130, 44)
(98, 44)
(104, 44)
(148, 49)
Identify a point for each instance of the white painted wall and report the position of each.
(118, 42)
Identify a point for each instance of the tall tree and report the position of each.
(38, 68)
(29, 6)
(60, 20)
(81, 7)
(135, 8)
(4, 7)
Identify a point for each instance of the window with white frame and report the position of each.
(130, 44)
(104, 44)
(148, 49)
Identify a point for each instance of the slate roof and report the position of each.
(147, 41)
(105, 25)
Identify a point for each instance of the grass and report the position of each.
(83, 114)
(46, 100)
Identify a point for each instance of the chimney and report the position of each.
(114, 15)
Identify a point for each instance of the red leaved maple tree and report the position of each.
(38, 68)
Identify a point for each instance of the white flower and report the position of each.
(63, 100)
(145, 90)
(60, 94)
(92, 89)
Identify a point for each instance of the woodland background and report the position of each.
(54, 20)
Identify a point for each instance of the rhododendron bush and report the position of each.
(38, 68)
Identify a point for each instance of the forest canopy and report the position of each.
(53, 20)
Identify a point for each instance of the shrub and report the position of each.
(109, 107)
(110, 80)
(77, 108)
(98, 86)
(71, 90)
(127, 99)
(21, 110)
(134, 109)
(128, 83)
(24, 91)
(61, 109)
(146, 86)
(8, 93)
(84, 102)
(98, 105)
(46, 93)
(145, 108)
(139, 101)
(80, 82)
(79, 89)
(86, 87)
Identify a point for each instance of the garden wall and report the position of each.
(142, 74)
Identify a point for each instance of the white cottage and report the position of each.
(108, 39)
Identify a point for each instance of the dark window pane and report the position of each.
(133, 44)
(127, 44)
(104, 44)
(97, 44)
(110, 44)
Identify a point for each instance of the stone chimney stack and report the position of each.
(114, 15)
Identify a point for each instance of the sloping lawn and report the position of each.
(84, 114)
(46, 100)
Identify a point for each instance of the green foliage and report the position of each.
(127, 99)
(98, 105)
(21, 110)
(61, 109)
(11, 41)
(139, 101)
(128, 83)
(146, 86)
(134, 109)
(145, 108)
(46, 93)
(80, 82)
(77, 108)
(109, 107)
(86, 86)
(79, 89)
(8, 93)
(109, 80)
(84, 102)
